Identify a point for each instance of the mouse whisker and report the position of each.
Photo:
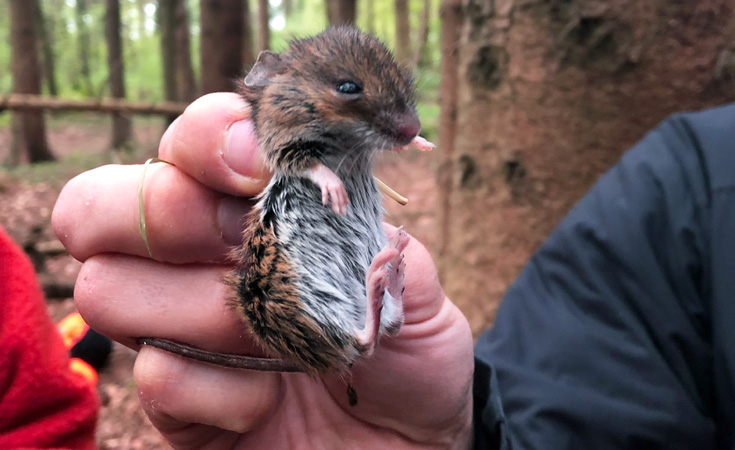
(341, 161)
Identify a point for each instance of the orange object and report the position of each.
(72, 329)
(80, 367)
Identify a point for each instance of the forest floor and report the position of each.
(27, 197)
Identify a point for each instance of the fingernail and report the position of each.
(241, 150)
(232, 216)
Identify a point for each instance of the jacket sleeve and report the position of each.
(602, 341)
(43, 405)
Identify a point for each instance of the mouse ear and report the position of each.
(269, 64)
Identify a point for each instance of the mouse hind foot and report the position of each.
(384, 312)
(392, 314)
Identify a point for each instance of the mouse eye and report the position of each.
(348, 87)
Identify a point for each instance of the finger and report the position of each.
(98, 212)
(176, 392)
(214, 142)
(126, 297)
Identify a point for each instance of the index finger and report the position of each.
(213, 141)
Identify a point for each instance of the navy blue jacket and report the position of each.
(620, 331)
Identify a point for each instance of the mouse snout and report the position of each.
(408, 126)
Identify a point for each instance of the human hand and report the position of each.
(414, 391)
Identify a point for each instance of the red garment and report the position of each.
(43, 405)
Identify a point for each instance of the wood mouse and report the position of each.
(317, 280)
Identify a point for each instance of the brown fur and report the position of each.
(274, 308)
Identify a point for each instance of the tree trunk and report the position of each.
(403, 32)
(451, 25)
(121, 127)
(15, 156)
(46, 36)
(287, 8)
(222, 31)
(248, 56)
(167, 27)
(27, 78)
(264, 30)
(84, 47)
(550, 95)
(341, 12)
(419, 57)
(185, 82)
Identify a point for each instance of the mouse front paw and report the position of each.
(332, 188)
(338, 194)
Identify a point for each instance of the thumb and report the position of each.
(214, 142)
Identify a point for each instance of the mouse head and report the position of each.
(341, 88)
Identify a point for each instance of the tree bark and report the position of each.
(27, 78)
(264, 30)
(248, 56)
(341, 12)
(15, 156)
(550, 96)
(287, 8)
(167, 27)
(121, 126)
(84, 47)
(451, 26)
(419, 57)
(46, 36)
(185, 81)
(222, 31)
(403, 32)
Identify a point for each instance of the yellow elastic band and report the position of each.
(141, 203)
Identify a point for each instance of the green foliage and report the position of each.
(6, 78)
(307, 20)
(427, 85)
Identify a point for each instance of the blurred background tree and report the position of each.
(341, 12)
(29, 127)
(121, 131)
(550, 93)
